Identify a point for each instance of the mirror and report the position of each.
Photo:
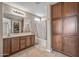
(12, 24)
(16, 27)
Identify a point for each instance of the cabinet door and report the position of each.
(22, 42)
(70, 8)
(15, 44)
(32, 39)
(28, 41)
(56, 10)
(57, 26)
(6, 47)
(57, 42)
(70, 26)
(70, 46)
(78, 25)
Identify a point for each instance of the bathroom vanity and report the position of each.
(17, 42)
(17, 30)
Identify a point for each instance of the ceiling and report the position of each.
(37, 8)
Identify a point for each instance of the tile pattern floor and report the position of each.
(37, 52)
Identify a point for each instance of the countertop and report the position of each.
(18, 35)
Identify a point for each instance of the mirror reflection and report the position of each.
(12, 24)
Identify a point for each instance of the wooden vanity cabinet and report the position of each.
(32, 39)
(28, 41)
(15, 44)
(22, 42)
(6, 47)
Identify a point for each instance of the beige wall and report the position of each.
(28, 21)
(1, 40)
(49, 36)
(48, 29)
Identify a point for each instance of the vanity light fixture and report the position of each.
(17, 12)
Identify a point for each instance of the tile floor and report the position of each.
(35, 51)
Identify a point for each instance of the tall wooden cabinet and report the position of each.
(65, 25)
(56, 26)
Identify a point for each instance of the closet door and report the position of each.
(57, 42)
(70, 8)
(57, 34)
(56, 10)
(57, 26)
(70, 25)
(70, 46)
(78, 25)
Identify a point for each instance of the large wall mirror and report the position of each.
(12, 24)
